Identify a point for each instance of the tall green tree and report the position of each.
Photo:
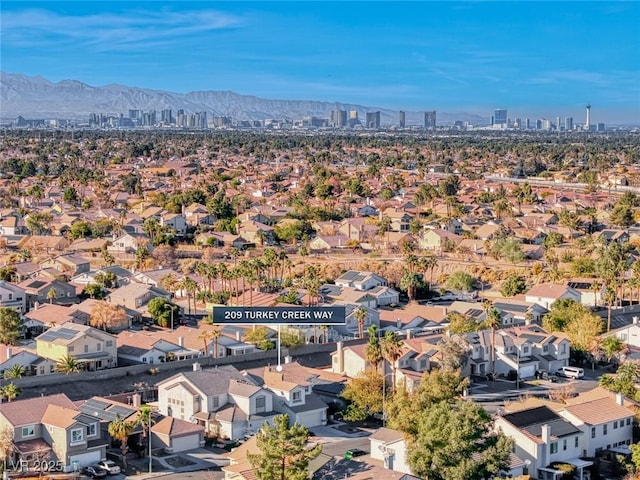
(10, 326)
(364, 391)
(456, 442)
(284, 454)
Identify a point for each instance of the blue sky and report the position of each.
(533, 58)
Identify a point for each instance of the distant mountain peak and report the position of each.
(37, 97)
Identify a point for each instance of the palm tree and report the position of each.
(360, 315)
(373, 350)
(492, 321)
(392, 346)
(190, 286)
(145, 420)
(120, 429)
(9, 391)
(609, 299)
(205, 336)
(16, 371)
(68, 365)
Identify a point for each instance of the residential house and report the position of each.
(292, 387)
(550, 350)
(174, 221)
(136, 295)
(48, 315)
(325, 243)
(11, 355)
(51, 428)
(257, 233)
(48, 244)
(414, 361)
(174, 435)
(47, 290)
(350, 360)
(607, 236)
(13, 296)
(542, 437)
(514, 353)
(438, 240)
(629, 334)
(522, 313)
(222, 400)
(390, 447)
(70, 264)
(335, 293)
(603, 418)
(360, 280)
(128, 243)
(590, 289)
(545, 294)
(400, 219)
(94, 349)
(139, 347)
(197, 214)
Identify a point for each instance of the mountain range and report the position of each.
(37, 97)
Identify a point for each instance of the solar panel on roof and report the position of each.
(122, 411)
(36, 284)
(94, 404)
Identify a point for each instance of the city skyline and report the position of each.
(534, 59)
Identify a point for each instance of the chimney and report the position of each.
(408, 334)
(620, 399)
(238, 339)
(546, 434)
(398, 324)
(181, 341)
(9, 353)
(288, 359)
(340, 357)
(635, 319)
(445, 312)
(196, 367)
(136, 399)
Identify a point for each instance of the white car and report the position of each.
(109, 466)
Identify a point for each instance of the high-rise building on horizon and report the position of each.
(338, 118)
(430, 119)
(373, 119)
(166, 116)
(587, 124)
(402, 119)
(500, 117)
(568, 124)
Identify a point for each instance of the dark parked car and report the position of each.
(94, 471)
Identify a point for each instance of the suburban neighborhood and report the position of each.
(494, 281)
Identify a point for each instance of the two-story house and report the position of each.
(550, 350)
(414, 361)
(222, 400)
(136, 295)
(603, 417)
(94, 349)
(46, 290)
(390, 447)
(542, 437)
(514, 353)
(52, 428)
(13, 296)
(292, 386)
(70, 264)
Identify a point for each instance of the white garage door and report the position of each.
(189, 442)
(85, 459)
(528, 371)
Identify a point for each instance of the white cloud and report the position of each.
(132, 30)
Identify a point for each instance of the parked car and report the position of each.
(94, 471)
(354, 452)
(570, 372)
(109, 466)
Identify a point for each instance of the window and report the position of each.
(86, 349)
(577, 442)
(91, 430)
(76, 435)
(563, 348)
(216, 402)
(593, 432)
(604, 429)
(628, 421)
(623, 337)
(70, 349)
(261, 403)
(615, 425)
(28, 431)
(564, 444)
(99, 347)
(109, 343)
(297, 396)
(554, 447)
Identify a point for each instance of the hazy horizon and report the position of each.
(536, 59)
